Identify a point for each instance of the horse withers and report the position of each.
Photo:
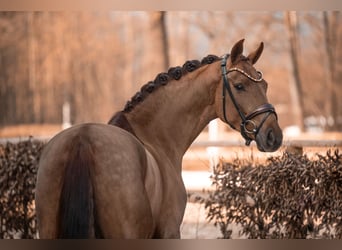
(124, 181)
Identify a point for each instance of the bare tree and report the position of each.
(156, 45)
(330, 24)
(97, 59)
(296, 84)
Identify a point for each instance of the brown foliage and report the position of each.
(289, 197)
(18, 167)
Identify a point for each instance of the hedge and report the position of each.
(290, 196)
(18, 168)
(287, 197)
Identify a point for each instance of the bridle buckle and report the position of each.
(247, 130)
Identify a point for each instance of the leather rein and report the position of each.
(246, 120)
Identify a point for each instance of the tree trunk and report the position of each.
(128, 74)
(295, 84)
(330, 29)
(32, 67)
(157, 59)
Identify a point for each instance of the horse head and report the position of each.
(241, 99)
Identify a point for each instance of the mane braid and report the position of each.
(174, 73)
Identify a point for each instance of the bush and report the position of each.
(18, 168)
(290, 196)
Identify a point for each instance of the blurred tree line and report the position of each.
(97, 60)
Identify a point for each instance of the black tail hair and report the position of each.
(76, 207)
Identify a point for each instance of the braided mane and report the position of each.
(174, 73)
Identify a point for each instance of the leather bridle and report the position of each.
(246, 120)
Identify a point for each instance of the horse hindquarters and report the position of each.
(90, 183)
(64, 190)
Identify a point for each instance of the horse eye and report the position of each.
(239, 87)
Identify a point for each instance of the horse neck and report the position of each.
(170, 119)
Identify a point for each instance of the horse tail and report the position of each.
(76, 205)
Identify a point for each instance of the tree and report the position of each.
(330, 24)
(156, 45)
(99, 60)
(296, 84)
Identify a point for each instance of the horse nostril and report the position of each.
(270, 138)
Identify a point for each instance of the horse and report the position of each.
(123, 179)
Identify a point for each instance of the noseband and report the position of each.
(246, 121)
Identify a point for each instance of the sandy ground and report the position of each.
(196, 226)
(195, 223)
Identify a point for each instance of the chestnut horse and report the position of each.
(124, 181)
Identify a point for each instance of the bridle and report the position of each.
(266, 108)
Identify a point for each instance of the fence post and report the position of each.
(66, 115)
(295, 150)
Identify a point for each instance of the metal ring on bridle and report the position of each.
(249, 131)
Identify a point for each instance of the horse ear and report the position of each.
(254, 56)
(236, 51)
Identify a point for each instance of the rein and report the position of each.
(266, 108)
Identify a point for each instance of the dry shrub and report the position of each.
(18, 168)
(290, 196)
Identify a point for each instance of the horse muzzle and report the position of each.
(270, 136)
(266, 132)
